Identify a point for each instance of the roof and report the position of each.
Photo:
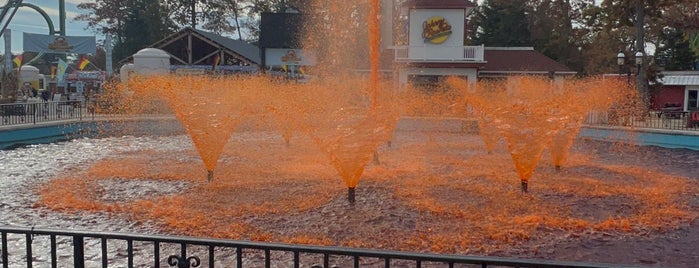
(241, 47)
(443, 4)
(525, 60)
(680, 80)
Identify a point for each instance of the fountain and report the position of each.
(533, 113)
(438, 194)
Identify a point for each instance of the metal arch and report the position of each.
(43, 13)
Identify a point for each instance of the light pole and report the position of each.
(621, 61)
(639, 61)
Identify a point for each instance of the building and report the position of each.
(197, 51)
(679, 89)
(435, 48)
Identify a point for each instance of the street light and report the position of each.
(621, 61)
(639, 61)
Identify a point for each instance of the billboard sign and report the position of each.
(43, 43)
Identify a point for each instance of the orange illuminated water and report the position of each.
(208, 107)
(336, 113)
(374, 55)
(536, 113)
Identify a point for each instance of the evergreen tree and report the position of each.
(144, 25)
(674, 52)
(551, 26)
(502, 23)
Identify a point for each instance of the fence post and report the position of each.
(78, 252)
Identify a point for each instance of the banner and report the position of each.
(59, 44)
(8, 50)
(18, 60)
(61, 69)
(83, 63)
(108, 50)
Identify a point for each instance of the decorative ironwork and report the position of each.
(147, 243)
(181, 262)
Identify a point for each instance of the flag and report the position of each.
(18, 60)
(83, 63)
(284, 67)
(53, 72)
(217, 59)
(61, 69)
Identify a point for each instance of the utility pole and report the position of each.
(641, 80)
(193, 10)
(62, 17)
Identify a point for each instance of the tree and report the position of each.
(134, 24)
(683, 17)
(184, 12)
(502, 23)
(143, 26)
(552, 32)
(674, 52)
(639, 14)
(107, 17)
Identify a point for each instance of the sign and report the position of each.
(59, 44)
(90, 75)
(290, 57)
(436, 30)
(287, 56)
(190, 71)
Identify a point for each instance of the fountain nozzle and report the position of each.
(210, 175)
(350, 195)
(524, 187)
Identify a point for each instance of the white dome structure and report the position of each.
(28, 74)
(151, 61)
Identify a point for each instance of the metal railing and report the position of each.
(444, 54)
(101, 249)
(36, 112)
(686, 121)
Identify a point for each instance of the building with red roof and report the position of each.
(435, 48)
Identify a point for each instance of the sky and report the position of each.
(30, 21)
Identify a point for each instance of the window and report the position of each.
(692, 103)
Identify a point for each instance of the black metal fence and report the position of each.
(36, 112)
(59, 248)
(687, 121)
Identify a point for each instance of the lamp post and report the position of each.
(639, 61)
(621, 61)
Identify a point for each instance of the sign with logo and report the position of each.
(59, 44)
(288, 56)
(436, 30)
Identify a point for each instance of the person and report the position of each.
(45, 95)
(25, 91)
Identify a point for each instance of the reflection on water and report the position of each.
(23, 169)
